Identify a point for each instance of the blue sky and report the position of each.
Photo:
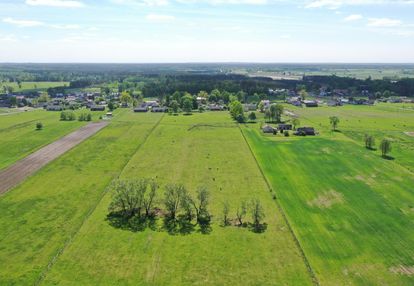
(207, 31)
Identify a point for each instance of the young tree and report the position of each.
(39, 126)
(173, 195)
(149, 197)
(369, 141)
(385, 147)
(125, 97)
(295, 123)
(268, 116)
(200, 205)
(257, 213)
(261, 107)
(252, 116)
(241, 212)
(187, 205)
(226, 211)
(276, 111)
(334, 120)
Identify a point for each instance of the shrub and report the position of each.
(39, 126)
(286, 133)
(67, 116)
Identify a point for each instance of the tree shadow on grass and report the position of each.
(257, 228)
(180, 225)
(134, 224)
(387, 157)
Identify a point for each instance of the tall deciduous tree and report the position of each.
(385, 147)
(257, 213)
(334, 120)
(173, 195)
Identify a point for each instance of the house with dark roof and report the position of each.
(269, 129)
(159, 109)
(97, 108)
(140, 109)
(285, 127)
(305, 131)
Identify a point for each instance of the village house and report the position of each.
(249, 107)
(310, 103)
(97, 108)
(285, 127)
(215, 107)
(140, 109)
(159, 109)
(269, 129)
(304, 131)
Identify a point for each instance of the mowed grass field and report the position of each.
(40, 216)
(19, 137)
(29, 85)
(352, 211)
(384, 120)
(203, 149)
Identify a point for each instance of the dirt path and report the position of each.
(17, 172)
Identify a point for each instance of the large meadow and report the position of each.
(336, 213)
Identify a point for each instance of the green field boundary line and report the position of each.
(295, 239)
(60, 251)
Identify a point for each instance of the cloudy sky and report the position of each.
(207, 31)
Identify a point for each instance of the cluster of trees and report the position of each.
(385, 145)
(274, 113)
(256, 211)
(137, 200)
(85, 117)
(67, 116)
(237, 111)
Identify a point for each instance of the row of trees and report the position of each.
(136, 199)
(274, 113)
(385, 145)
(67, 116)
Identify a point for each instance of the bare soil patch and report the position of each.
(326, 200)
(403, 270)
(409, 133)
(19, 171)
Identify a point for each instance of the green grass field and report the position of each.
(19, 137)
(40, 216)
(351, 209)
(201, 149)
(28, 85)
(350, 212)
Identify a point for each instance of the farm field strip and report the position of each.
(350, 209)
(19, 171)
(193, 150)
(19, 137)
(39, 216)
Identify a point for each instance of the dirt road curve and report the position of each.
(17, 172)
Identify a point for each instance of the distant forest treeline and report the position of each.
(159, 80)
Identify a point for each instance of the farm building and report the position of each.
(268, 129)
(159, 109)
(310, 103)
(54, 108)
(216, 108)
(97, 108)
(305, 131)
(140, 109)
(285, 126)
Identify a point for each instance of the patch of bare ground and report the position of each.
(368, 180)
(409, 133)
(19, 171)
(403, 270)
(327, 200)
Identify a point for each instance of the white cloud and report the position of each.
(23, 23)
(354, 17)
(8, 38)
(56, 3)
(383, 22)
(234, 2)
(335, 4)
(142, 2)
(33, 23)
(159, 18)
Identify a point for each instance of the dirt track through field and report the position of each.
(19, 171)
